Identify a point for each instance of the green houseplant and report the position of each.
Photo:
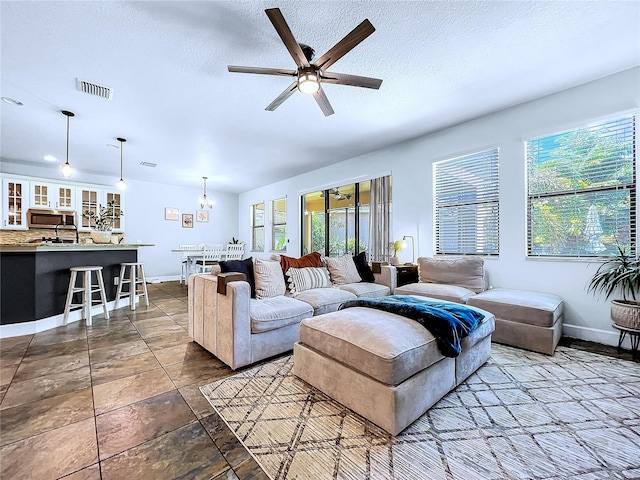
(103, 221)
(620, 273)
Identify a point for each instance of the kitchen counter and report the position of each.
(55, 247)
(35, 276)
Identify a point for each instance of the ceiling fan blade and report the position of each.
(345, 45)
(280, 24)
(323, 102)
(352, 80)
(263, 71)
(283, 96)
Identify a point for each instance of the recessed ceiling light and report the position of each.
(12, 101)
(111, 145)
(50, 158)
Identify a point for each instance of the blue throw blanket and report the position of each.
(448, 322)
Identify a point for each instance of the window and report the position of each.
(466, 204)
(336, 221)
(279, 225)
(582, 191)
(257, 227)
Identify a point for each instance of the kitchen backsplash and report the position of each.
(13, 237)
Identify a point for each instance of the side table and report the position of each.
(634, 337)
(407, 274)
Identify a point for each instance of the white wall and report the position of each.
(411, 166)
(144, 217)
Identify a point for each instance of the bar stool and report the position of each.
(87, 290)
(136, 278)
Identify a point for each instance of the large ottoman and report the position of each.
(384, 367)
(524, 319)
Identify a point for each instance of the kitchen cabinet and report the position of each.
(90, 199)
(15, 200)
(51, 195)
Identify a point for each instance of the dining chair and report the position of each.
(185, 258)
(211, 255)
(235, 251)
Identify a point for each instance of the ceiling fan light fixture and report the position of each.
(308, 82)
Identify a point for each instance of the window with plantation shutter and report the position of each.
(279, 225)
(582, 191)
(466, 204)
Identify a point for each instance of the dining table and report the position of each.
(192, 257)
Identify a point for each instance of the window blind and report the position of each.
(257, 227)
(467, 204)
(581, 187)
(279, 224)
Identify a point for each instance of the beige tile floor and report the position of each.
(116, 400)
(120, 400)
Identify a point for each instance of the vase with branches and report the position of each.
(102, 221)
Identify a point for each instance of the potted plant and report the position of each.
(396, 246)
(103, 221)
(620, 273)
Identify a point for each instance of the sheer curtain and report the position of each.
(380, 219)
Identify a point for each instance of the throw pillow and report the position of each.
(343, 270)
(241, 266)
(269, 279)
(301, 279)
(310, 260)
(363, 267)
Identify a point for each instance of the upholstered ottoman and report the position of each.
(524, 319)
(383, 366)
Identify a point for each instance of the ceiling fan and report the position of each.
(335, 193)
(310, 76)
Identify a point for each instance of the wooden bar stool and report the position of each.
(136, 278)
(87, 289)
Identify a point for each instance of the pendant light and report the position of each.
(121, 183)
(66, 168)
(203, 199)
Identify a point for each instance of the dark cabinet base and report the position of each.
(34, 284)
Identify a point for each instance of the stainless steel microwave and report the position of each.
(50, 218)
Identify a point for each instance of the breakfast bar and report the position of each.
(35, 278)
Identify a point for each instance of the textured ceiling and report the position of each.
(442, 62)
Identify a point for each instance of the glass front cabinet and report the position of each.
(91, 199)
(51, 195)
(15, 200)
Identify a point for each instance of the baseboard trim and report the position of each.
(37, 326)
(605, 337)
(164, 278)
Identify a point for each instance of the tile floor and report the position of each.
(120, 400)
(116, 400)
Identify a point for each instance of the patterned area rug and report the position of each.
(522, 415)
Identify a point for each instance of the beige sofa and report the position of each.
(241, 330)
(524, 319)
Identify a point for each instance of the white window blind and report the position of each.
(582, 190)
(467, 204)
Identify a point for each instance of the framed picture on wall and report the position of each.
(202, 216)
(187, 220)
(171, 213)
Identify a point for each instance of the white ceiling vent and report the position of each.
(95, 89)
(149, 164)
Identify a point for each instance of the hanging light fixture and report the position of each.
(66, 168)
(203, 199)
(121, 183)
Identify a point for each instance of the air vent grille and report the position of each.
(149, 164)
(96, 89)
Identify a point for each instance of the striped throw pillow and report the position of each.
(301, 279)
(269, 279)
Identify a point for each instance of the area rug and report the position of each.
(521, 415)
